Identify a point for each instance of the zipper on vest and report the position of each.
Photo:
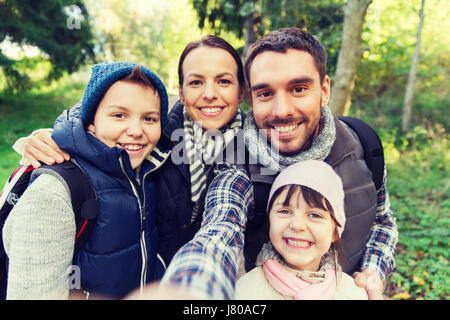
(142, 235)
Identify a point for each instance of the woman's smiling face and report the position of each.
(210, 91)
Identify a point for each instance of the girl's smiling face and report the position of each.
(300, 233)
(128, 117)
(210, 91)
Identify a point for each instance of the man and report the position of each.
(289, 92)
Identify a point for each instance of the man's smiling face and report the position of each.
(287, 96)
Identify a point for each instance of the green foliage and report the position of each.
(224, 15)
(389, 38)
(149, 32)
(324, 19)
(152, 33)
(45, 25)
(420, 196)
(37, 108)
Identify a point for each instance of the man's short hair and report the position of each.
(288, 38)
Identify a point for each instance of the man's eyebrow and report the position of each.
(302, 80)
(259, 86)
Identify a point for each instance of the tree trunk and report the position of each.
(407, 106)
(349, 56)
(249, 32)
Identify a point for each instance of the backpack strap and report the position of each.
(372, 146)
(83, 197)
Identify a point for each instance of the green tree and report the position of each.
(389, 39)
(407, 105)
(349, 56)
(59, 28)
(252, 19)
(150, 32)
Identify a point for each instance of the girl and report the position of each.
(211, 86)
(303, 259)
(112, 135)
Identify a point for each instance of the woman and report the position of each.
(211, 86)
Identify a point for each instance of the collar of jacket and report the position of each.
(157, 157)
(175, 121)
(70, 135)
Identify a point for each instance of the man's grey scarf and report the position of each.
(203, 147)
(258, 147)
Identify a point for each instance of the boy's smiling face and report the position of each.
(128, 117)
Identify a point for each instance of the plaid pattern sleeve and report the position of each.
(383, 238)
(206, 267)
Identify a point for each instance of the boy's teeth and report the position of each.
(286, 129)
(132, 147)
(298, 243)
(210, 110)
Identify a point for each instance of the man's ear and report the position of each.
(241, 95)
(250, 98)
(326, 91)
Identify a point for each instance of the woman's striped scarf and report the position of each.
(203, 148)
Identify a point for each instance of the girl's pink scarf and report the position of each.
(288, 284)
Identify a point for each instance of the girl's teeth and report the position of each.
(210, 110)
(298, 243)
(286, 129)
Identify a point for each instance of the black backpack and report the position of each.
(84, 204)
(372, 146)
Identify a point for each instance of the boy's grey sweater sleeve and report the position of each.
(39, 241)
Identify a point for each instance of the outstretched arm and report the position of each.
(206, 267)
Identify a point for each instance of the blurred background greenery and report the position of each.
(47, 48)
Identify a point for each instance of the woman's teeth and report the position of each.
(286, 128)
(210, 110)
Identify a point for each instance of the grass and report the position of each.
(418, 183)
(21, 114)
(419, 190)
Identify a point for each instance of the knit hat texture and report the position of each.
(104, 75)
(318, 176)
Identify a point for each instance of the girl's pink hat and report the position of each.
(318, 176)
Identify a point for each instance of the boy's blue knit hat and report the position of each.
(103, 77)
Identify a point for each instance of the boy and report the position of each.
(112, 135)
